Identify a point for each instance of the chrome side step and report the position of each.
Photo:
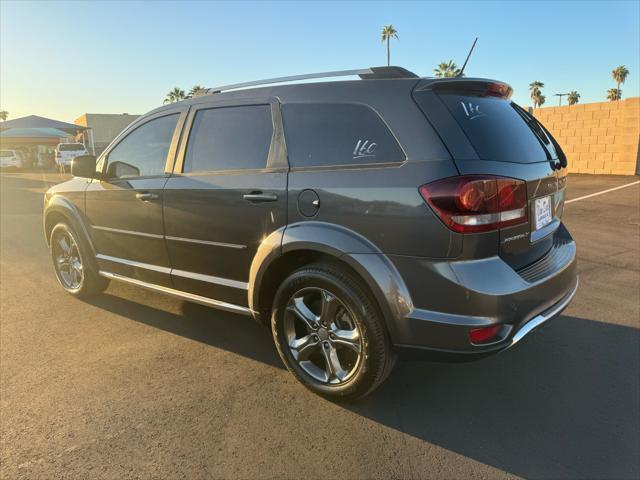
(190, 297)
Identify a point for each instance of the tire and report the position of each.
(74, 265)
(329, 332)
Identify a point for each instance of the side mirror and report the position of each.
(122, 170)
(84, 166)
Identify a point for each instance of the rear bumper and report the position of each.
(451, 298)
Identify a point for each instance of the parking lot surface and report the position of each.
(134, 384)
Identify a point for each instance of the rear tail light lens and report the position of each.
(484, 334)
(477, 203)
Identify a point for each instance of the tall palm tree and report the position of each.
(447, 69)
(4, 115)
(174, 95)
(196, 90)
(536, 93)
(614, 94)
(573, 97)
(620, 75)
(388, 32)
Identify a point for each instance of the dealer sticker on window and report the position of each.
(543, 212)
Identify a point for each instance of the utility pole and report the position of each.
(560, 95)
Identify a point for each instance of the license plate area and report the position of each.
(543, 212)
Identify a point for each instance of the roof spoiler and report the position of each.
(476, 86)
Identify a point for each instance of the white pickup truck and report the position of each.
(65, 152)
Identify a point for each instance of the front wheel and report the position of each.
(329, 333)
(73, 264)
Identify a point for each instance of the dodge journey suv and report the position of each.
(360, 220)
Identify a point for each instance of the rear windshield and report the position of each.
(6, 153)
(500, 130)
(70, 147)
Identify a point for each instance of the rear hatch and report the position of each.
(488, 134)
(69, 151)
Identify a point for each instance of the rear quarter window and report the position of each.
(337, 134)
(496, 130)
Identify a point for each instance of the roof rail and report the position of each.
(363, 73)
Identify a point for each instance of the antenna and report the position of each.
(465, 62)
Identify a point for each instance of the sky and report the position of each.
(64, 59)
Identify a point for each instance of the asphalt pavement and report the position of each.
(136, 385)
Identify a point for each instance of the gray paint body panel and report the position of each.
(432, 285)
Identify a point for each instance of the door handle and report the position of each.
(146, 196)
(259, 197)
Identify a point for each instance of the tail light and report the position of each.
(477, 203)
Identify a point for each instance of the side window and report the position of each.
(229, 138)
(144, 151)
(337, 134)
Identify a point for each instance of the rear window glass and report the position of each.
(337, 134)
(6, 153)
(499, 130)
(71, 147)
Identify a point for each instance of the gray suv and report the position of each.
(361, 220)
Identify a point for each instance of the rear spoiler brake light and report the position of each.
(462, 85)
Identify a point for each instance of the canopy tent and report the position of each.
(33, 135)
(36, 122)
(36, 144)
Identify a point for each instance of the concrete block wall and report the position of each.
(601, 137)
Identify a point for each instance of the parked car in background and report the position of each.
(66, 152)
(358, 220)
(10, 159)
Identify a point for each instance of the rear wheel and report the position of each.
(329, 333)
(75, 268)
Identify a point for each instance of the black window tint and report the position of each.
(229, 138)
(71, 147)
(498, 131)
(337, 134)
(144, 151)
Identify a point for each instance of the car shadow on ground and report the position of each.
(234, 333)
(564, 404)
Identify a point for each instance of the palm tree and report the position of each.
(573, 97)
(174, 95)
(196, 90)
(541, 99)
(620, 75)
(388, 32)
(447, 69)
(4, 115)
(536, 93)
(614, 94)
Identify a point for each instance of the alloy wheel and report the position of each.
(67, 260)
(322, 336)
